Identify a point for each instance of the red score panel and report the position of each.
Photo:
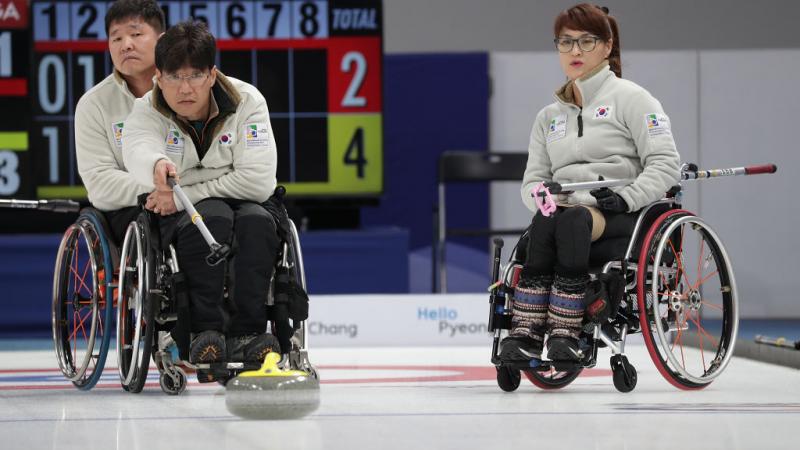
(354, 75)
(13, 14)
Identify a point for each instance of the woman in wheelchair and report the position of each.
(219, 142)
(600, 125)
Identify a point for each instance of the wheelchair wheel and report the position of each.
(135, 317)
(173, 382)
(687, 300)
(507, 378)
(552, 379)
(81, 305)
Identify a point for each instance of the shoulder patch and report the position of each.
(256, 135)
(657, 124)
(557, 128)
(116, 129)
(174, 141)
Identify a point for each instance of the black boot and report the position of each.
(520, 348)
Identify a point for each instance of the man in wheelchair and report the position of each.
(600, 126)
(133, 28)
(212, 133)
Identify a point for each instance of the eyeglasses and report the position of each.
(194, 80)
(585, 43)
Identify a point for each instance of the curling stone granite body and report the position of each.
(271, 393)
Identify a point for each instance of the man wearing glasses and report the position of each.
(213, 133)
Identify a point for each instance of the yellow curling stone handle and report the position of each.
(270, 369)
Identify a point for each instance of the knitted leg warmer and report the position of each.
(530, 306)
(565, 313)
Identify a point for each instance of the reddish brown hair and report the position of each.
(595, 20)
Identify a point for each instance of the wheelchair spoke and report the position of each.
(79, 326)
(78, 280)
(700, 260)
(703, 331)
(702, 281)
(712, 305)
(700, 343)
(679, 261)
(678, 338)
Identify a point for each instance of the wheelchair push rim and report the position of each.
(80, 311)
(134, 331)
(687, 300)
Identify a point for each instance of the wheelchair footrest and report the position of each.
(545, 365)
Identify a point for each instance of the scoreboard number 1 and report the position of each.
(5, 54)
(51, 133)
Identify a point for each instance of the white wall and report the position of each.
(728, 108)
(412, 26)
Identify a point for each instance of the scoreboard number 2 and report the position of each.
(350, 98)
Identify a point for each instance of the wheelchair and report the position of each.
(142, 282)
(679, 293)
(83, 298)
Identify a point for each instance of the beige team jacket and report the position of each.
(99, 122)
(241, 162)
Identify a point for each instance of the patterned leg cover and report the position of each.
(565, 314)
(530, 306)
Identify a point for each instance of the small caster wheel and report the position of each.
(173, 382)
(624, 373)
(507, 378)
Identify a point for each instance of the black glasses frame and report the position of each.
(573, 41)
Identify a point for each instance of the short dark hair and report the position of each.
(186, 44)
(147, 10)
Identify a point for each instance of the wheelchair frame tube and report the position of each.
(733, 171)
(59, 206)
(589, 185)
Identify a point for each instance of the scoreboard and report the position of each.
(318, 64)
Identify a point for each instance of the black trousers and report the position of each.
(561, 242)
(251, 231)
(118, 221)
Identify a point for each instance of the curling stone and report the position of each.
(271, 393)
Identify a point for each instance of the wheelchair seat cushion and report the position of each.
(606, 250)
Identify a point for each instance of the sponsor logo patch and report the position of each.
(117, 129)
(175, 141)
(256, 135)
(657, 124)
(557, 128)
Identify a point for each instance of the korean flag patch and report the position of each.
(602, 112)
(226, 139)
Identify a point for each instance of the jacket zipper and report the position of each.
(580, 123)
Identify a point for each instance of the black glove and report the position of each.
(609, 200)
(553, 187)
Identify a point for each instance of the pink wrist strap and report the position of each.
(546, 205)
